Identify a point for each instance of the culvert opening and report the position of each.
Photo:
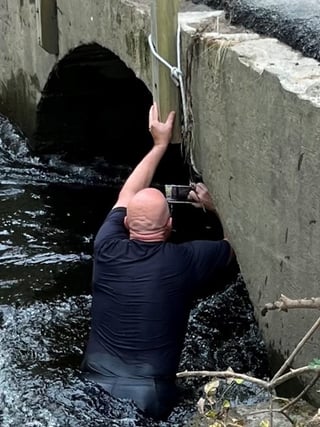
(93, 105)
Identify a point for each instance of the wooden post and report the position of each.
(164, 24)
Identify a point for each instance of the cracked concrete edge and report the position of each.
(297, 74)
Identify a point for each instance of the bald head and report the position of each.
(148, 216)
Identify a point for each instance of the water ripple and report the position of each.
(44, 258)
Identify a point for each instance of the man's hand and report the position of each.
(201, 197)
(161, 132)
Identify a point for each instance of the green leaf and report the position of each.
(236, 422)
(231, 380)
(211, 414)
(217, 424)
(314, 364)
(226, 404)
(265, 423)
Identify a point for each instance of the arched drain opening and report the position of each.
(93, 105)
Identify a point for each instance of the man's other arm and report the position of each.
(202, 198)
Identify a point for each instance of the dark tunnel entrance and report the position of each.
(93, 105)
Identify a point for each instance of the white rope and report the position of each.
(175, 72)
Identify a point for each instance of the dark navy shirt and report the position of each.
(142, 294)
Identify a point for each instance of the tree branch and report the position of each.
(224, 374)
(268, 385)
(304, 391)
(297, 349)
(293, 373)
(284, 304)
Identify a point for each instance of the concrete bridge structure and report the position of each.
(256, 124)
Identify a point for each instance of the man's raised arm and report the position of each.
(143, 173)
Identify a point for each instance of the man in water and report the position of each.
(143, 287)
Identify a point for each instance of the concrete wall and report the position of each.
(119, 25)
(257, 134)
(24, 65)
(255, 104)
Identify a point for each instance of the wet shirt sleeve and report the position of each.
(112, 228)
